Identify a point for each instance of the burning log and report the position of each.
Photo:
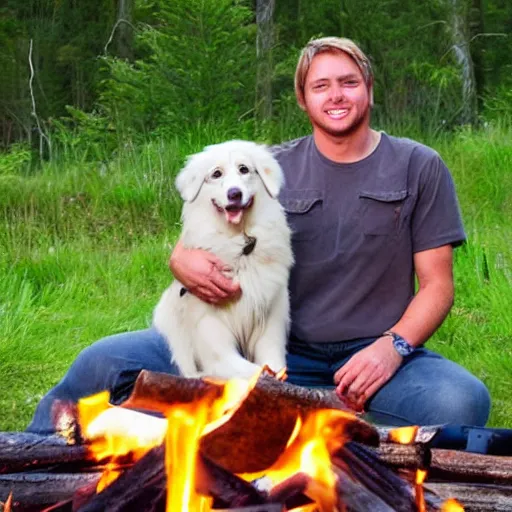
(227, 489)
(356, 496)
(363, 464)
(156, 391)
(474, 497)
(260, 427)
(291, 491)
(418, 434)
(404, 456)
(470, 467)
(20, 451)
(143, 488)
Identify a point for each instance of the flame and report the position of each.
(308, 450)
(421, 474)
(117, 435)
(451, 505)
(403, 435)
(187, 423)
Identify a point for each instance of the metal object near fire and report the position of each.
(490, 441)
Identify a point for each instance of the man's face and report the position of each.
(336, 97)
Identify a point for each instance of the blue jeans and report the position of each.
(427, 389)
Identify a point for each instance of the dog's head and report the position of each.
(229, 176)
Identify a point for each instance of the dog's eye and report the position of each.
(216, 174)
(243, 169)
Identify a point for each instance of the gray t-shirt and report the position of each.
(355, 229)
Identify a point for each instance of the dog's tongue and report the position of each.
(234, 216)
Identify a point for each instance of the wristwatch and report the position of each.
(401, 345)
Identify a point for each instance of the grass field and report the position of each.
(84, 248)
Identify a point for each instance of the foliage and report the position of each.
(15, 160)
(195, 60)
(196, 65)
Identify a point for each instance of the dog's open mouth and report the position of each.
(233, 211)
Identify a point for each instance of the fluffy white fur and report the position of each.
(236, 339)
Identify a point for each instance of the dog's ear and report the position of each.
(191, 178)
(268, 170)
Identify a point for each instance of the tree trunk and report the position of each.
(124, 39)
(477, 49)
(460, 37)
(264, 40)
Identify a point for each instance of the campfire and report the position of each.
(242, 446)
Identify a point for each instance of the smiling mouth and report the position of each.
(233, 212)
(337, 113)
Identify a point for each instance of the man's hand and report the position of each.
(202, 274)
(366, 372)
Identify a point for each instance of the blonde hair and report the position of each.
(329, 45)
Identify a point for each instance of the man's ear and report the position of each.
(191, 178)
(268, 170)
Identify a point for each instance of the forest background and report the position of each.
(100, 102)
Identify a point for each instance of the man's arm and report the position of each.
(368, 370)
(200, 272)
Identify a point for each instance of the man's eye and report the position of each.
(216, 174)
(352, 83)
(243, 169)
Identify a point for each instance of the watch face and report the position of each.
(402, 347)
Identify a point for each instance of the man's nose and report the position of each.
(234, 194)
(337, 93)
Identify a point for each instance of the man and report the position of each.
(369, 212)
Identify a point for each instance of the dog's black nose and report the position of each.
(234, 194)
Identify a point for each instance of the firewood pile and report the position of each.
(373, 472)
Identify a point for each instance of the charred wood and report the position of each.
(20, 451)
(363, 464)
(35, 491)
(291, 491)
(227, 489)
(356, 497)
(141, 487)
(404, 456)
(155, 391)
(474, 497)
(453, 465)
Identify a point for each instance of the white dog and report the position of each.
(231, 209)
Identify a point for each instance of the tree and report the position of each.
(264, 42)
(459, 31)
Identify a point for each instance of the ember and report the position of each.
(253, 446)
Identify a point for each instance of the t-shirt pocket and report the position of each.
(304, 213)
(382, 212)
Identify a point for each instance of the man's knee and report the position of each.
(432, 390)
(464, 403)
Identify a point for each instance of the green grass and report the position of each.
(84, 249)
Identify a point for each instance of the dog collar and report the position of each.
(250, 244)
